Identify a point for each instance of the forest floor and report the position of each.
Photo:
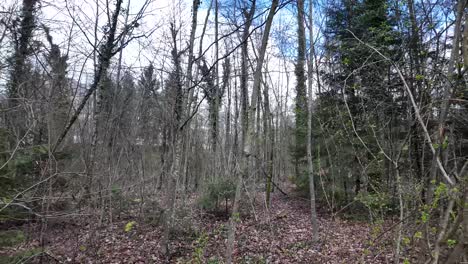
(282, 235)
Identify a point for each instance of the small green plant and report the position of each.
(120, 203)
(200, 245)
(216, 192)
(213, 261)
(424, 216)
(129, 226)
(406, 241)
(451, 243)
(376, 203)
(418, 235)
(236, 217)
(419, 77)
(366, 252)
(441, 191)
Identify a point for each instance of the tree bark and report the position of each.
(250, 129)
(175, 87)
(313, 210)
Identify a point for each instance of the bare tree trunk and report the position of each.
(171, 195)
(228, 137)
(189, 79)
(401, 206)
(269, 143)
(250, 129)
(415, 85)
(217, 99)
(176, 135)
(465, 43)
(189, 83)
(248, 15)
(313, 211)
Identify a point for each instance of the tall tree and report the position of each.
(58, 94)
(300, 109)
(18, 75)
(174, 86)
(248, 13)
(249, 138)
(310, 72)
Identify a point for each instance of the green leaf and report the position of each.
(419, 77)
(453, 215)
(406, 241)
(236, 217)
(451, 243)
(441, 189)
(445, 143)
(116, 190)
(418, 235)
(346, 61)
(129, 226)
(424, 217)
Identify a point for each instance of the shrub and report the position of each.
(217, 191)
(376, 203)
(20, 169)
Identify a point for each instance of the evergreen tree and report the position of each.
(361, 86)
(301, 112)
